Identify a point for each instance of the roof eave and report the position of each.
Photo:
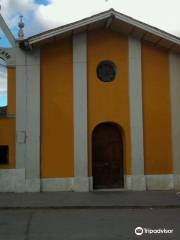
(70, 27)
(148, 28)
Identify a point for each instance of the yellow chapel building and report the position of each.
(94, 104)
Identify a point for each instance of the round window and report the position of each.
(106, 71)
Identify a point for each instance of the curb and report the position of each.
(88, 207)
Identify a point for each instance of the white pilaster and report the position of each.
(175, 115)
(80, 111)
(136, 116)
(28, 116)
(33, 121)
(21, 107)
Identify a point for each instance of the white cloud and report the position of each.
(58, 12)
(162, 14)
(12, 9)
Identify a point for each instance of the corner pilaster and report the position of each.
(174, 60)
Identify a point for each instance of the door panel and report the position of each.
(107, 157)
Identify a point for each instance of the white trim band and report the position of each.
(65, 184)
(13, 180)
(153, 182)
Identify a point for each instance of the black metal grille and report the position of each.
(4, 154)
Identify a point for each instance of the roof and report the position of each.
(115, 21)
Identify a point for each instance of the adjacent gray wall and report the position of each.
(175, 109)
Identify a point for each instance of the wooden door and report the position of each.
(107, 153)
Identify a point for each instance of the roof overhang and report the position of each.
(115, 21)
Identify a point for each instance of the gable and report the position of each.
(113, 20)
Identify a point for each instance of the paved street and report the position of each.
(87, 224)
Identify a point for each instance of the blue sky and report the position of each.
(3, 100)
(44, 2)
(3, 84)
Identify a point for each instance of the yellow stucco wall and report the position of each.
(109, 102)
(8, 125)
(57, 153)
(156, 111)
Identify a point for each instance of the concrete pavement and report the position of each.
(89, 224)
(99, 199)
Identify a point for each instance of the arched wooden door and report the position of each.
(107, 154)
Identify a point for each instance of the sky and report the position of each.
(42, 15)
(3, 84)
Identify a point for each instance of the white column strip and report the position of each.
(33, 121)
(80, 109)
(136, 116)
(28, 117)
(21, 108)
